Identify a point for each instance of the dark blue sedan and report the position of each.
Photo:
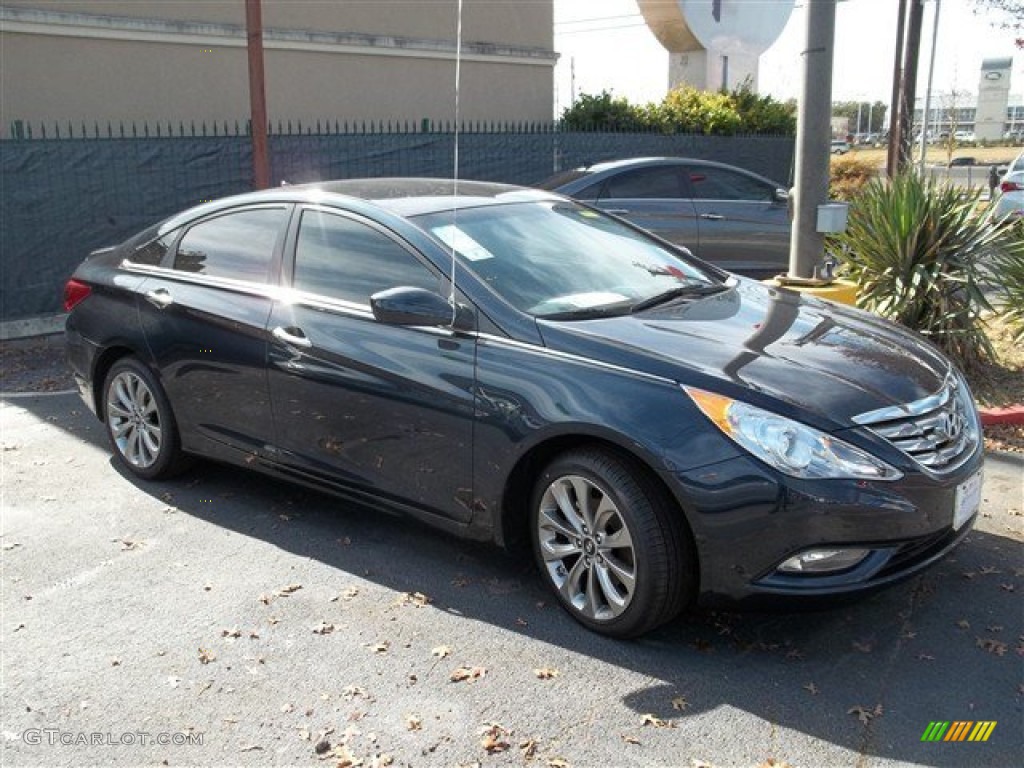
(511, 366)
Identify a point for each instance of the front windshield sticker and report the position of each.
(455, 238)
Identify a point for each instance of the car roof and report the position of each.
(590, 173)
(401, 196)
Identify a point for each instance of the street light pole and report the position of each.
(928, 92)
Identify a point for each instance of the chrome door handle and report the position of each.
(160, 298)
(617, 211)
(712, 216)
(293, 336)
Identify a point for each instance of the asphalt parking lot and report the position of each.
(227, 619)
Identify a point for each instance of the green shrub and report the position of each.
(688, 110)
(918, 251)
(763, 114)
(603, 112)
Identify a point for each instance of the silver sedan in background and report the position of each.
(731, 217)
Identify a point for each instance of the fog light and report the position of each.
(823, 560)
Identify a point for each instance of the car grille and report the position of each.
(939, 432)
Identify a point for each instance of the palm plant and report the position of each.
(919, 252)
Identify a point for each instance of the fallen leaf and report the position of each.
(992, 645)
(289, 590)
(865, 715)
(771, 762)
(441, 651)
(657, 722)
(232, 633)
(286, 708)
(354, 691)
(987, 569)
(629, 739)
(925, 657)
(322, 746)
(545, 673)
(812, 689)
(323, 629)
(995, 628)
(493, 740)
(206, 656)
(127, 545)
(251, 748)
(964, 624)
(679, 703)
(528, 748)
(413, 723)
(115, 662)
(19, 627)
(521, 622)
(468, 673)
(381, 647)
(346, 594)
(417, 599)
(1007, 587)
(557, 762)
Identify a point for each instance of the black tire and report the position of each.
(626, 564)
(140, 423)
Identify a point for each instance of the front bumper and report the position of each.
(747, 519)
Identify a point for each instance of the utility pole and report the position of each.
(928, 92)
(911, 52)
(895, 122)
(257, 94)
(813, 131)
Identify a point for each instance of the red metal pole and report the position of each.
(257, 94)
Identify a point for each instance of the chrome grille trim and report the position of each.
(939, 432)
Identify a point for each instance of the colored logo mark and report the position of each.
(958, 730)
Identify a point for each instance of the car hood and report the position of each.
(813, 360)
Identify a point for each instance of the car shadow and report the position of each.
(868, 676)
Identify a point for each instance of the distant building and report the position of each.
(993, 96)
(145, 60)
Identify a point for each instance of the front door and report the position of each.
(381, 409)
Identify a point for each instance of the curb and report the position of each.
(1014, 414)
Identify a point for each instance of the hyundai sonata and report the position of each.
(512, 366)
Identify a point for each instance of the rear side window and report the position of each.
(153, 252)
(346, 259)
(711, 183)
(238, 245)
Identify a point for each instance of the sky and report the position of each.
(609, 46)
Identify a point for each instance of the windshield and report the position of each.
(558, 259)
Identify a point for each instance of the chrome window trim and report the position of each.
(227, 283)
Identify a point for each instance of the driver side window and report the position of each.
(342, 258)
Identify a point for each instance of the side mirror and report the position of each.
(416, 306)
(781, 196)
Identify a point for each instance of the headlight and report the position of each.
(787, 445)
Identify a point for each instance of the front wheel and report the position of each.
(610, 544)
(139, 421)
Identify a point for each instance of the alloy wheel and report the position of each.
(586, 548)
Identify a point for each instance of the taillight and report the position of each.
(1011, 186)
(74, 292)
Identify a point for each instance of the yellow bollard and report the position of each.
(839, 291)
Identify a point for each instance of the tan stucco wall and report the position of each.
(50, 77)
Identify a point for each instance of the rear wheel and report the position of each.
(609, 544)
(139, 421)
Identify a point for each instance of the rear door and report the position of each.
(378, 409)
(743, 228)
(204, 313)
(653, 197)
